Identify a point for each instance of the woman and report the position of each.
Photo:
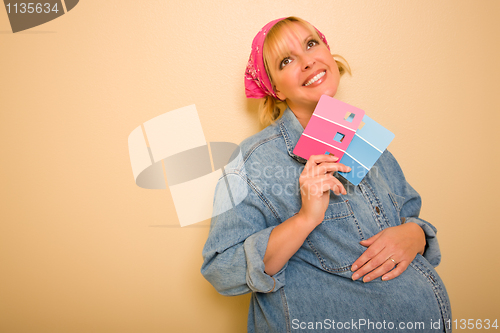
(316, 251)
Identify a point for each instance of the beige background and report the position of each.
(80, 245)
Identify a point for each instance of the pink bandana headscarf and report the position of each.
(257, 84)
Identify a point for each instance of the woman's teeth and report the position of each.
(314, 79)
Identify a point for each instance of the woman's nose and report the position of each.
(307, 62)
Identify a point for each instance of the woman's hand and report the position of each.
(389, 252)
(316, 181)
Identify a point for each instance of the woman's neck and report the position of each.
(303, 119)
(303, 115)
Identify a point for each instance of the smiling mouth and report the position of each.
(314, 79)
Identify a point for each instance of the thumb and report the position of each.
(370, 241)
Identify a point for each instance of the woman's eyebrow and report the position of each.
(307, 38)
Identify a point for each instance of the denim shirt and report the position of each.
(260, 189)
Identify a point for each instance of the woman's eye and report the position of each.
(311, 43)
(285, 62)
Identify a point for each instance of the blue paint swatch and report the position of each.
(366, 147)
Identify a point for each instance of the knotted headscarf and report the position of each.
(257, 83)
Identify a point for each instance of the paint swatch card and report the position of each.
(330, 129)
(343, 130)
(368, 144)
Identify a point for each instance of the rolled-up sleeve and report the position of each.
(432, 252)
(257, 280)
(234, 251)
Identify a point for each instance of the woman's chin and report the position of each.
(328, 92)
(331, 92)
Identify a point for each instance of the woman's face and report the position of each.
(306, 73)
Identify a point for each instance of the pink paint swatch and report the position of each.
(330, 129)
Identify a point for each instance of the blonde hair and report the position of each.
(270, 108)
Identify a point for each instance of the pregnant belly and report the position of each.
(417, 296)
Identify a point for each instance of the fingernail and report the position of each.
(354, 267)
(355, 276)
(384, 278)
(366, 279)
(348, 169)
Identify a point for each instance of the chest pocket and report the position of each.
(398, 202)
(335, 242)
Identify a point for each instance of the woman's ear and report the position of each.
(279, 94)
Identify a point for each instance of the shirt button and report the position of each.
(377, 210)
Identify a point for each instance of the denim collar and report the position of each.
(291, 130)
